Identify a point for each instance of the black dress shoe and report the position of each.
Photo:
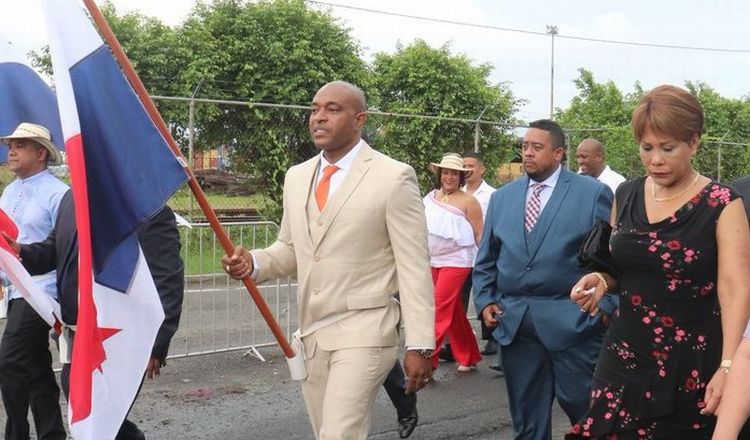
(496, 367)
(446, 354)
(406, 424)
(490, 348)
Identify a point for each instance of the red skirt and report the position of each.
(450, 318)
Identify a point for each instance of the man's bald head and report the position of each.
(337, 116)
(590, 156)
(594, 144)
(357, 95)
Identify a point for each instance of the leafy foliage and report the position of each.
(282, 51)
(603, 105)
(270, 51)
(603, 112)
(726, 120)
(419, 79)
(154, 50)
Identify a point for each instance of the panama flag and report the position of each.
(122, 173)
(24, 96)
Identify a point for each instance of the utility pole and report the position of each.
(477, 132)
(191, 135)
(552, 31)
(718, 155)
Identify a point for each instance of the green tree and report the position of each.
(724, 148)
(419, 79)
(274, 51)
(155, 51)
(268, 51)
(602, 111)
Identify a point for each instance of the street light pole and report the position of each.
(552, 31)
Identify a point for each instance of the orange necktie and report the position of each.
(321, 194)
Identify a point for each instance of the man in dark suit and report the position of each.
(525, 268)
(405, 404)
(160, 242)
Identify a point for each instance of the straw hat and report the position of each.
(450, 161)
(38, 134)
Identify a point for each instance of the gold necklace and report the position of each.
(445, 196)
(680, 194)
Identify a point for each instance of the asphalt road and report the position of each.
(231, 396)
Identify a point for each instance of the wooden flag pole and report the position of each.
(208, 211)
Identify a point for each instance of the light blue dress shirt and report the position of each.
(32, 204)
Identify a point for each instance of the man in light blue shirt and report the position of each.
(26, 376)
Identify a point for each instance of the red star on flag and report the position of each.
(81, 377)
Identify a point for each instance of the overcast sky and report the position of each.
(523, 60)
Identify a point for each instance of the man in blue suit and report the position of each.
(524, 271)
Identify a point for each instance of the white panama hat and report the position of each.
(38, 134)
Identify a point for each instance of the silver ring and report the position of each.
(226, 268)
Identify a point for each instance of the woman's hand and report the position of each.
(587, 293)
(714, 391)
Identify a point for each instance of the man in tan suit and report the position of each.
(354, 233)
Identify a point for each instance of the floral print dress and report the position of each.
(664, 342)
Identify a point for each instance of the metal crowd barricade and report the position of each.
(218, 314)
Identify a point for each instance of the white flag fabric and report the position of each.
(122, 173)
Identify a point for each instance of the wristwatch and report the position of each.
(725, 365)
(426, 353)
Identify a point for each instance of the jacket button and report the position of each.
(317, 258)
(528, 268)
(316, 291)
(320, 222)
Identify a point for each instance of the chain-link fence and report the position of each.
(718, 157)
(217, 312)
(414, 139)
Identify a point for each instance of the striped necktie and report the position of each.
(533, 206)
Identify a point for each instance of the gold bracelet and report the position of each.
(601, 277)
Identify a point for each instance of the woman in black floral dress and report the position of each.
(682, 245)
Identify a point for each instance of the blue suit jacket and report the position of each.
(536, 274)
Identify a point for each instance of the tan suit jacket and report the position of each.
(371, 243)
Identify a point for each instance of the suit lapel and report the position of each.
(546, 219)
(359, 168)
(304, 191)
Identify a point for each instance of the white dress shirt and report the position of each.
(337, 178)
(611, 178)
(482, 194)
(344, 164)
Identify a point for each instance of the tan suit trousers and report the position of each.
(341, 388)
